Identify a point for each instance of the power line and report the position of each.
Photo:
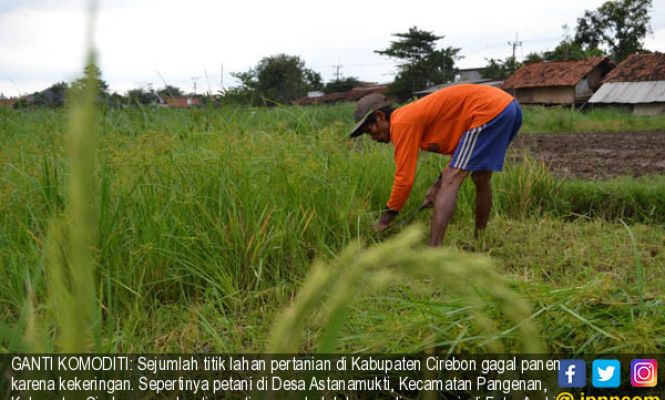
(352, 65)
(211, 77)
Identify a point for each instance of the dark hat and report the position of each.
(366, 106)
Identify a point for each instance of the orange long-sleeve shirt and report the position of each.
(436, 123)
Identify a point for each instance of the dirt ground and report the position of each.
(598, 155)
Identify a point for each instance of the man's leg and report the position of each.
(482, 181)
(444, 203)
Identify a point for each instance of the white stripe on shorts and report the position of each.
(465, 162)
(464, 146)
(468, 145)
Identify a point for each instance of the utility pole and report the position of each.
(337, 68)
(514, 44)
(194, 80)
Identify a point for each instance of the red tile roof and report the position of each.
(639, 68)
(181, 101)
(352, 95)
(552, 73)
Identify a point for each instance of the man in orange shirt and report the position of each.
(472, 123)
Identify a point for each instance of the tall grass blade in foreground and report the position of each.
(69, 255)
(329, 290)
(639, 269)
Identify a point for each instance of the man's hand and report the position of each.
(384, 222)
(431, 194)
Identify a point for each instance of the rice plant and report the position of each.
(203, 224)
(328, 290)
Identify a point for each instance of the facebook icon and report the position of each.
(572, 374)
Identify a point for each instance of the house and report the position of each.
(354, 94)
(180, 101)
(639, 81)
(7, 102)
(470, 74)
(558, 82)
(479, 81)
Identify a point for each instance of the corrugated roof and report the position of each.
(630, 92)
(639, 68)
(552, 73)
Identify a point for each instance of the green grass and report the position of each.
(205, 224)
(563, 120)
(42, 124)
(579, 277)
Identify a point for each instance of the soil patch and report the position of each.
(598, 155)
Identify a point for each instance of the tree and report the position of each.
(91, 71)
(500, 69)
(620, 26)
(116, 100)
(533, 57)
(237, 96)
(279, 79)
(142, 97)
(570, 49)
(341, 85)
(53, 96)
(422, 65)
(170, 91)
(314, 80)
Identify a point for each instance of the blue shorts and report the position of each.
(484, 148)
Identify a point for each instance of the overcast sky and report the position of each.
(42, 41)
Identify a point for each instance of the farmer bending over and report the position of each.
(474, 123)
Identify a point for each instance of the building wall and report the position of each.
(649, 108)
(546, 95)
(470, 74)
(583, 90)
(595, 78)
(586, 87)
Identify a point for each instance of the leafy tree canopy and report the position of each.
(170, 91)
(568, 49)
(341, 85)
(53, 96)
(141, 96)
(500, 69)
(533, 57)
(619, 26)
(280, 78)
(422, 64)
(91, 71)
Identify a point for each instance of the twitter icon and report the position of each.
(606, 373)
